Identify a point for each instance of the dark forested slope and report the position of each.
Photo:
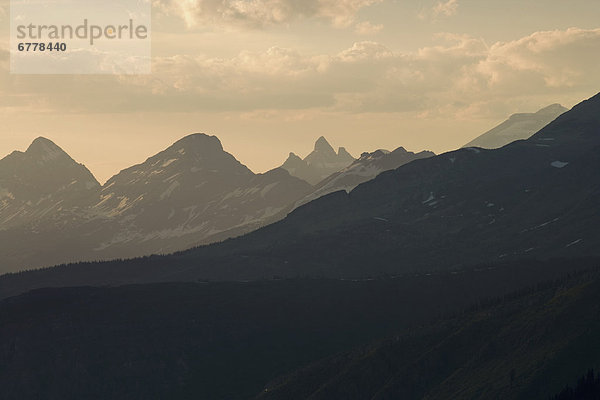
(524, 346)
(219, 340)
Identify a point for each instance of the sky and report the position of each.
(268, 77)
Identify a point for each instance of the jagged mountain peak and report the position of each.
(319, 164)
(294, 156)
(323, 146)
(32, 164)
(344, 155)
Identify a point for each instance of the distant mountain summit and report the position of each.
(319, 164)
(189, 192)
(517, 127)
(43, 181)
(176, 174)
(367, 167)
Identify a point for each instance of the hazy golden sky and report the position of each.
(270, 76)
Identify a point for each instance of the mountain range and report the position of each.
(535, 198)
(468, 275)
(532, 199)
(54, 211)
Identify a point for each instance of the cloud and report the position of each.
(442, 9)
(544, 61)
(445, 9)
(365, 51)
(457, 76)
(261, 13)
(367, 28)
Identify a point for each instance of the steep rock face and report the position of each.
(319, 164)
(517, 127)
(367, 167)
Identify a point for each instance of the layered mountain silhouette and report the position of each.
(532, 199)
(535, 198)
(319, 164)
(408, 251)
(517, 127)
(53, 210)
(367, 167)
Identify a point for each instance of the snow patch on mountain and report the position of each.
(429, 199)
(559, 164)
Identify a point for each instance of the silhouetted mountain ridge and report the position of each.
(532, 199)
(176, 199)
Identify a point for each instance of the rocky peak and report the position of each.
(44, 149)
(198, 143)
(293, 157)
(344, 155)
(323, 146)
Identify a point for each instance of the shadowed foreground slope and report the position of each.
(218, 340)
(525, 346)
